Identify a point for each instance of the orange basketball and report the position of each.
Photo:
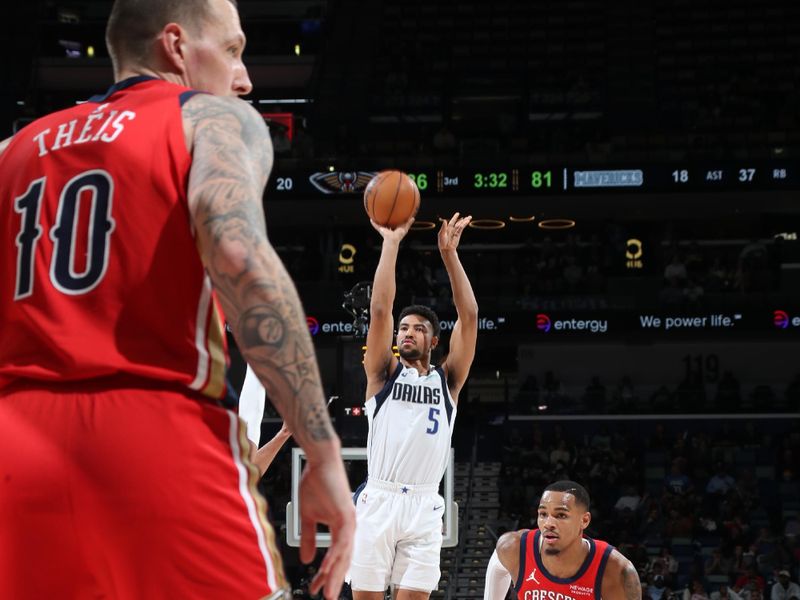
(391, 198)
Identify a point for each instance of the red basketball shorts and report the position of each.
(129, 494)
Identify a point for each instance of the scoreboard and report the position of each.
(535, 180)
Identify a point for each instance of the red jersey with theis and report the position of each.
(533, 581)
(101, 272)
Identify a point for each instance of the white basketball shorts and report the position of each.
(398, 537)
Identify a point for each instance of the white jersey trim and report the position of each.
(249, 502)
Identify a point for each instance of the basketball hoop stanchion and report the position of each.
(450, 530)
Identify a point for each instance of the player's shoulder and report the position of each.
(616, 560)
(619, 569)
(621, 579)
(508, 546)
(204, 106)
(510, 540)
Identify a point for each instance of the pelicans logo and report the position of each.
(341, 182)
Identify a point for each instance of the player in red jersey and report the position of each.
(129, 224)
(556, 561)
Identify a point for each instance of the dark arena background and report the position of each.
(633, 170)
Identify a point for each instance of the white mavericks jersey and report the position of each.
(410, 425)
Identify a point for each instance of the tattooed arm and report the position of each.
(621, 580)
(231, 160)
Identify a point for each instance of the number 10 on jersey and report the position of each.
(63, 273)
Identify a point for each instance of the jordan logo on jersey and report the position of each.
(407, 392)
(532, 577)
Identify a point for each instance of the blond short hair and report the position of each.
(134, 24)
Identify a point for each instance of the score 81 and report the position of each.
(541, 179)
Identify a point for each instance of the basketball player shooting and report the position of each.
(411, 409)
(557, 559)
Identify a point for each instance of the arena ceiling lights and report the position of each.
(556, 224)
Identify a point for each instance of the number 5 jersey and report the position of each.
(410, 427)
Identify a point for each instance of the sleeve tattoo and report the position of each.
(232, 159)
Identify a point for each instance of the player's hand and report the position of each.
(325, 497)
(450, 231)
(396, 234)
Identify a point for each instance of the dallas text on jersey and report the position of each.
(407, 392)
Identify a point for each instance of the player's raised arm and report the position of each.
(262, 457)
(465, 331)
(379, 358)
(232, 158)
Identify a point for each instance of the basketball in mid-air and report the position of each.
(391, 198)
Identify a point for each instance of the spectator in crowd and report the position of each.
(750, 580)
(785, 588)
(677, 482)
(724, 593)
(624, 395)
(791, 530)
(721, 482)
(628, 501)
(742, 560)
(695, 591)
(657, 588)
(653, 525)
(601, 440)
(680, 523)
(664, 564)
(718, 563)
(670, 563)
